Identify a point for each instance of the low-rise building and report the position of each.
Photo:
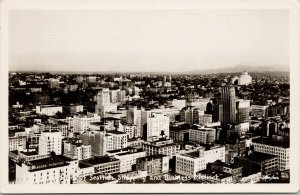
(76, 150)
(277, 148)
(99, 165)
(127, 157)
(190, 163)
(48, 110)
(202, 135)
(17, 143)
(50, 170)
(233, 169)
(154, 164)
(257, 162)
(161, 146)
(82, 122)
(214, 177)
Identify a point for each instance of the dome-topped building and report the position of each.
(244, 79)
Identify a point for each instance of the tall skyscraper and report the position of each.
(243, 110)
(227, 112)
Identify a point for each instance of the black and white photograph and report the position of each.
(152, 95)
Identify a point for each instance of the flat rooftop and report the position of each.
(96, 160)
(115, 132)
(231, 165)
(49, 162)
(156, 156)
(268, 141)
(217, 174)
(45, 106)
(123, 150)
(97, 123)
(194, 154)
(50, 131)
(33, 153)
(258, 157)
(110, 118)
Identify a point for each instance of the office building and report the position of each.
(82, 122)
(154, 164)
(17, 143)
(103, 165)
(127, 157)
(161, 146)
(51, 170)
(156, 124)
(190, 163)
(177, 103)
(227, 106)
(259, 111)
(202, 135)
(276, 148)
(235, 170)
(258, 162)
(214, 177)
(50, 141)
(130, 130)
(48, 110)
(76, 150)
(243, 111)
(113, 96)
(102, 141)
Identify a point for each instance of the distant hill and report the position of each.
(229, 69)
(241, 68)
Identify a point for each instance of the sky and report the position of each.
(146, 40)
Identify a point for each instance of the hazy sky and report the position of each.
(147, 40)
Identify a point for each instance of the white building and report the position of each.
(266, 147)
(17, 143)
(127, 157)
(156, 123)
(77, 150)
(102, 141)
(165, 147)
(190, 163)
(51, 170)
(178, 104)
(130, 130)
(82, 122)
(200, 103)
(69, 120)
(50, 141)
(134, 116)
(53, 83)
(117, 140)
(244, 79)
(242, 128)
(202, 135)
(104, 102)
(48, 110)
